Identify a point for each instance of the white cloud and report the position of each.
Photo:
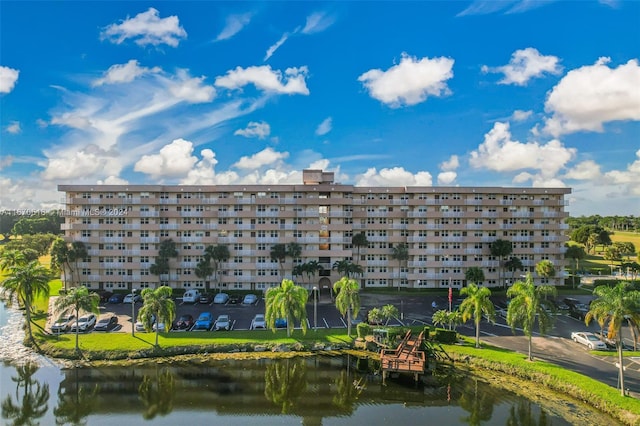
(275, 46)
(451, 164)
(318, 22)
(261, 159)
(519, 115)
(410, 82)
(146, 28)
(173, 160)
(203, 172)
(124, 73)
(500, 153)
(255, 129)
(264, 78)
(630, 177)
(486, 7)
(324, 127)
(589, 96)
(396, 176)
(585, 170)
(13, 128)
(73, 164)
(524, 65)
(233, 25)
(112, 180)
(446, 178)
(191, 89)
(8, 79)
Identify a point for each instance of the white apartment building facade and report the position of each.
(446, 230)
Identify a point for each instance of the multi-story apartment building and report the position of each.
(446, 230)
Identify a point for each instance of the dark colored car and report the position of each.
(106, 323)
(185, 322)
(116, 298)
(104, 296)
(234, 299)
(206, 298)
(281, 323)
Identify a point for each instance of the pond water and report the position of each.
(318, 390)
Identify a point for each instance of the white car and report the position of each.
(258, 322)
(222, 323)
(588, 339)
(132, 298)
(84, 323)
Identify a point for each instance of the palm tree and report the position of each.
(279, 254)
(11, 258)
(346, 268)
(77, 252)
(358, 241)
(216, 255)
(288, 301)
(443, 316)
(294, 251)
(474, 274)
(311, 268)
(545, 269)
(529, 302)
(612, 306)
(476, 304)
(298, 271)
(501, 249)
(159, 305)
(78, 299)
(576, 253)
(400, 253)
(159, 268)
(204, 269)
(26, 282)
(166, 251)
(514, 264)
(348, 299)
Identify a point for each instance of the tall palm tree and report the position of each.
(77, 252)
(400, 252)
(612, 306)
(298, 271)
(216, 255)
(359, 240)
(166, 251)
(474, 274)
(529, 302)
(311, 268)
(501, 249)
(347, 268)
(513, 265)
(26, 282)
(347, 299)
(476, 304)
(576, 253)
(288, 301)
(159, 305)
(204, 269)
(11, 258)
(545, 269)
(294, 251)
(78, 299)
(278, 254)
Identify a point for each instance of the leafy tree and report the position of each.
(278, 254)
(216, 256)
(400, 252)
(26, 282)
(474, 274)
(288, 301)
(613, 254)
(78, 299)
(294, 251)
(311, 268)
(374, 316)
(576, 253)
(347, 268)
(612, 306)
(513, 265)
(627, 249)
(545, 269)
(13, 258)
(529, 302)
(633, 268)
(388, 312)
(501, 249)
(298, 271)
(159, 305)
(66, 256)
(443, 316)
(476, 304)
(160, 268)
(204, 269)
(347, 299)
(591, 243)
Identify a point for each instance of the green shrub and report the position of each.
(446, 336)
(363, 329)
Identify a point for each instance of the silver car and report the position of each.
(588, 339)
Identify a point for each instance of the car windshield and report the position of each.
(592, 337)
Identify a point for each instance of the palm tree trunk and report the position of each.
(477, 333)
(349, 321)
(620, 366)
(77, 330)
(27, 311)
(530, 348)
(157, 331)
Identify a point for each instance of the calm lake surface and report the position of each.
(310, 391)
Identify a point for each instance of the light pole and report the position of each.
(133, 312)
(315, 308)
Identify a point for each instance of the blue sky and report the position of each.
(482, 93)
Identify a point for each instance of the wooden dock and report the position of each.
(406, 358)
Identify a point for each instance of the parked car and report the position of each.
(234, 299)
(223, 323)
(106, 323)
(206, 298)
(249, 299)
(191, 296)
(221, 298)
(132, 298)
(204, 321)
(116, 298)
(281, 323)
(105, 296)
(159, 326)
(258, 322)
(578, 311)
(185, 322)
(140, 326)
(84, 323)
(588, 339)
(62, 324)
